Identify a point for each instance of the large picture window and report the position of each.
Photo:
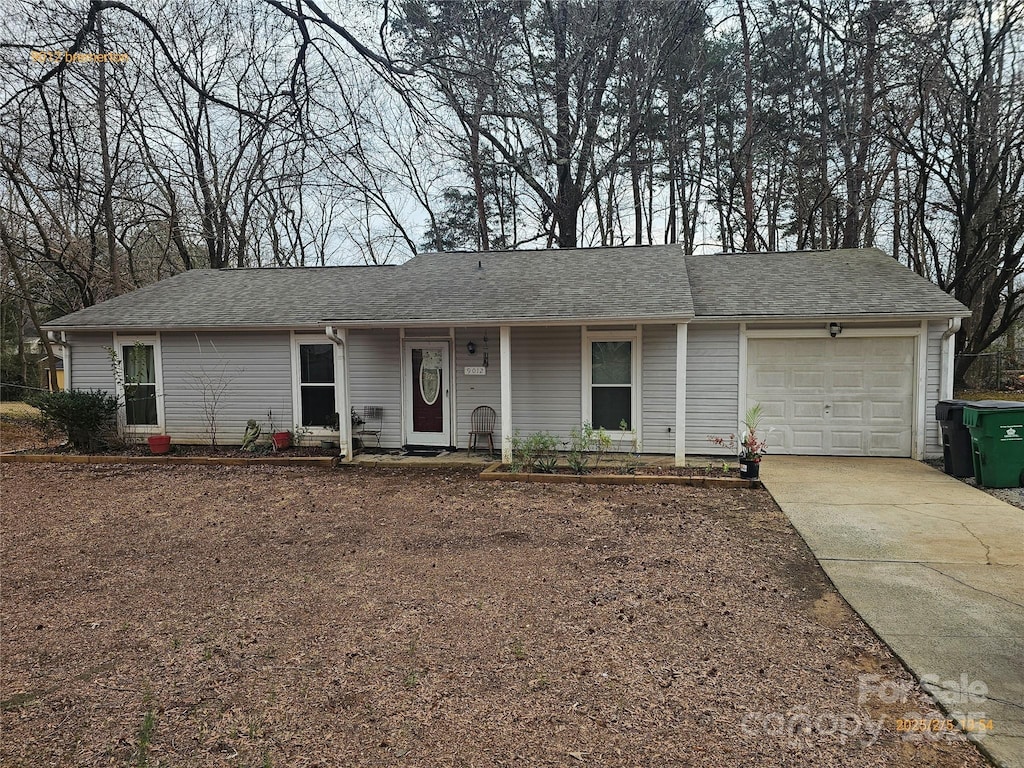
(611, 384)
(316, 385)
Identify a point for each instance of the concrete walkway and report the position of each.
(934, 566)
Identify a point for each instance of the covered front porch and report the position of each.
(427, 381)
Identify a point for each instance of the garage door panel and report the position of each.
(889, 411)
(885, 443)
(807, 409)
(808, 380)
(847, 440)
(811, 441)
(867, 384)
(773, 409)
(848, 411)
(848, 381)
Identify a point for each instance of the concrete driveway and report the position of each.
(934, 566)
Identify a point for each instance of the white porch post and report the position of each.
(341, 398)
(505, 364)
(680, 394)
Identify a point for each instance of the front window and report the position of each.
(316, 385)
(611, 389)
(139, 368)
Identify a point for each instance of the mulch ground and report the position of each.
(264, 616)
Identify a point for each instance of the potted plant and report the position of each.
(159, 443)
(280, 439)
(751, 445)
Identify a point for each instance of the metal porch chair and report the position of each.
(372, 426)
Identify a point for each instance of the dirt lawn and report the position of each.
(182, 616)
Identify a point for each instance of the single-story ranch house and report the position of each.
(847, 351)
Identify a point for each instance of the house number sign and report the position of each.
(475, 370)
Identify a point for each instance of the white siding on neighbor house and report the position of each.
(658, 383)
(254, 369)
(712, 386)
(472, 391)
(933, 439)
(375, 378)
(90, 361)
(546, 380)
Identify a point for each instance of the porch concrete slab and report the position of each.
(934, 566)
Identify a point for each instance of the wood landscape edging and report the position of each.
(492, 472)
(231, 461)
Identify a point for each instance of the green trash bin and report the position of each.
(997, 441)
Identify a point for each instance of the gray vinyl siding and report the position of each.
(254, 370)
(375, 378)
(658, 388)
(712, 386)
(90, 361)
(473, 391)
(932, 439)
(546, 375)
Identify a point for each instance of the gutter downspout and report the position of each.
(946, 368)
(344, 420)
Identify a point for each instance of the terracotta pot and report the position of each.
(159, 443)
(281, 440)
(750, 470)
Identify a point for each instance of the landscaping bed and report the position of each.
(263, 616)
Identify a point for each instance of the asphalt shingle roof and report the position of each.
(847, 282)
(592, 284)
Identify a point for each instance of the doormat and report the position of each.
(423, 453)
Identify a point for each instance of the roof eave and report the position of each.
(477, 322)
(184, 328)
(834, 316)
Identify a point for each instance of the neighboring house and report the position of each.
(847, 351)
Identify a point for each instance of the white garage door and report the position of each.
(834, 397)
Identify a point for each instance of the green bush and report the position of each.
(87, 417)
(543, 449)
(579, 445)
(522, 459)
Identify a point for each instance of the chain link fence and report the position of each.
(1000, 370)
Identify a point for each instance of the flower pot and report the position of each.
(159, 443)
(750, 469)
(281, 440)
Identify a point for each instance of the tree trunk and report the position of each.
(108, 180)
(749, 227)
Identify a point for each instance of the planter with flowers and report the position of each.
(751, 447)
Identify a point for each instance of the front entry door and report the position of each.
(428, 393)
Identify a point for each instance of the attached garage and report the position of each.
(835, 396)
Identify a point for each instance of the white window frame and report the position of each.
(123, 340)
(586, 353)
(298, 339)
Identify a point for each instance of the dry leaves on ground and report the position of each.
(269, 616)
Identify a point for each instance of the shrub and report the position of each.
(579, 445)
(87, 417)
(543, 448)
(522, 460)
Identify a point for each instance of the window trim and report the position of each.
(586, 353)
(151, 339)
(299, 339)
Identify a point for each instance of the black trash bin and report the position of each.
(957, 452)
